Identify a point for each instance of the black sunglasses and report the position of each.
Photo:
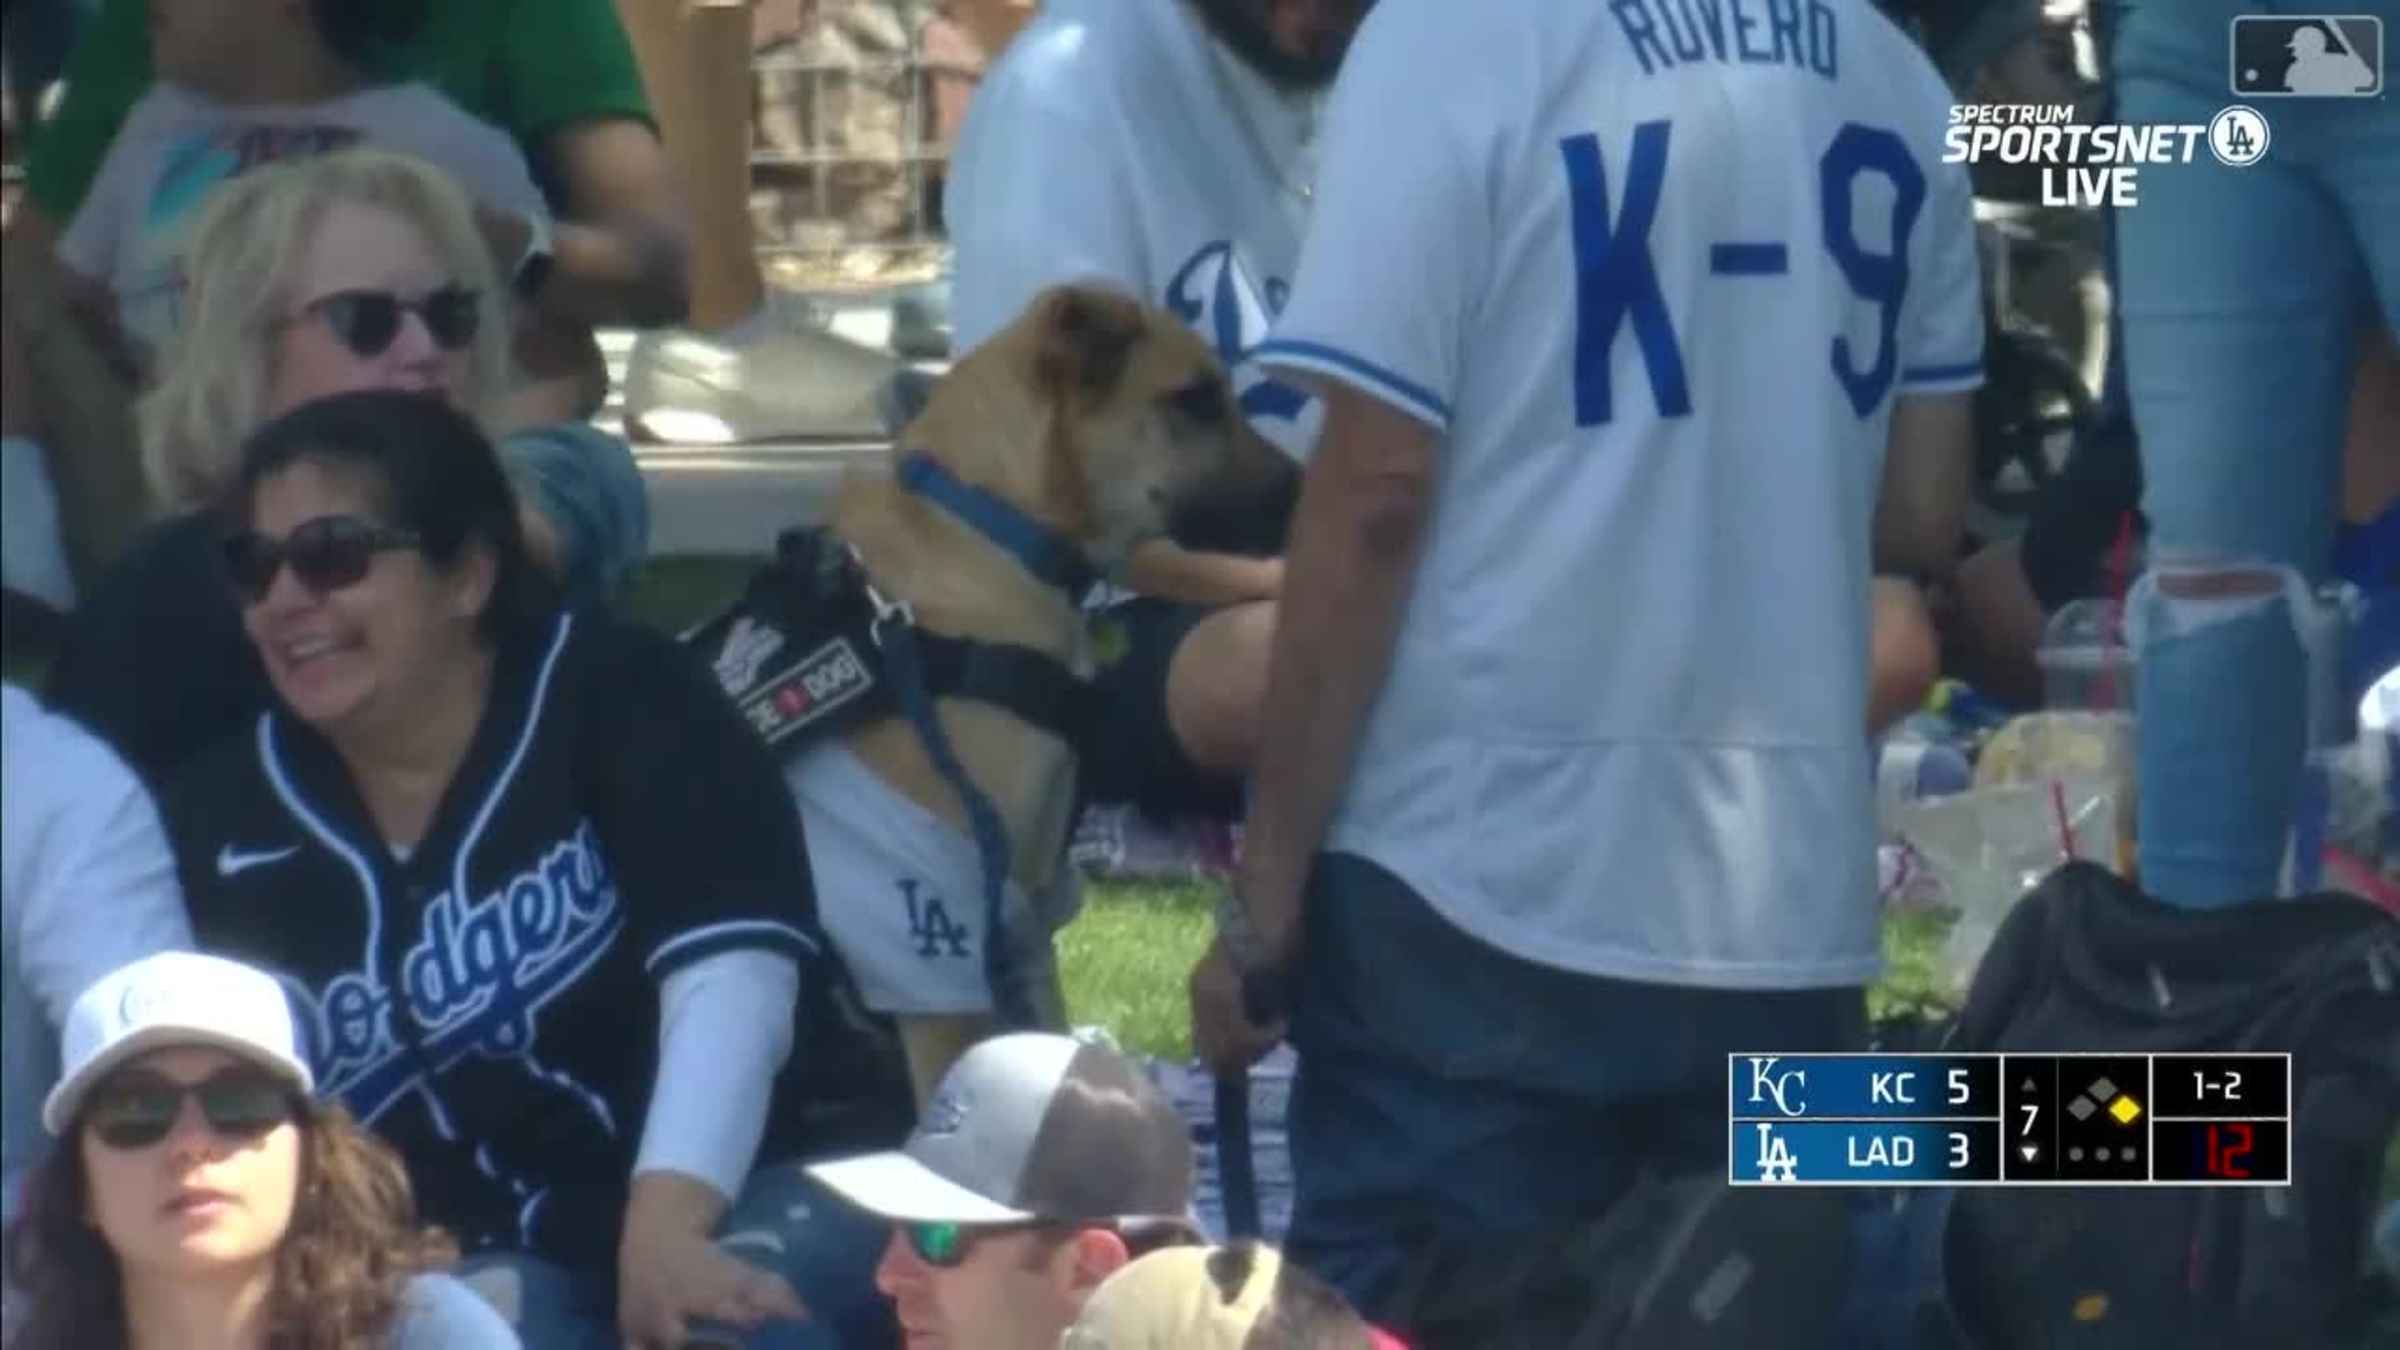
(138, 1107)
(325, 554)
(366, 321)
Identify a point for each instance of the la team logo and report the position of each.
(2094, 164)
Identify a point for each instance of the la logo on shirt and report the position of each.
(1214, 294)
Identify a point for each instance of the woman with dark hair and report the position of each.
(542, 895)
(202, 1199)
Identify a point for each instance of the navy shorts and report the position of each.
(1132, 755)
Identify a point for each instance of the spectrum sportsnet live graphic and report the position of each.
(2095, 164)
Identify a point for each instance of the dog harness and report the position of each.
(812, 649)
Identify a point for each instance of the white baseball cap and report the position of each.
(172, 999)
(1032, 1126)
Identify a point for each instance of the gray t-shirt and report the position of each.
(177, 146)
(439, 1313)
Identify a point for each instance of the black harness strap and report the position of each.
(798, 654)
(1034, 686)
(813, 649)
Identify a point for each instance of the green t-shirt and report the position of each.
(529, 67)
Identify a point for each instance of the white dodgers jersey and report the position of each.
(1656, 270)
(1117, 141)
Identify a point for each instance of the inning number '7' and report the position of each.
(1616, 281)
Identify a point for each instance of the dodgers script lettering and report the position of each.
(475, 977)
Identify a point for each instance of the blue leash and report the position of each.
(1050, 557)
(895, 632)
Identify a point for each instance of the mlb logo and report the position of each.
(2307, 55)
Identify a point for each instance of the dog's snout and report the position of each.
(1202, 401)
(1249, 513)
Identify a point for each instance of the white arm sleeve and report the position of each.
(724, 1031)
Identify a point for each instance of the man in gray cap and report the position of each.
(1040, 1166)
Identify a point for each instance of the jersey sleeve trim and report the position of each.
(1956, 378)
(708, 940)
(1398, 390)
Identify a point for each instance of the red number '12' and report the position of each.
(2226, 1152)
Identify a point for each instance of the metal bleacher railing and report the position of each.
(845, 167)
(865, 129)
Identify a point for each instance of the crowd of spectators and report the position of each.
(518, 1024)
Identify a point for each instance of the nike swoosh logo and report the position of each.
(231, 860)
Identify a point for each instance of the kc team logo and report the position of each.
(1781, 1087)
(2094, 164)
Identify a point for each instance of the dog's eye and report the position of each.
(1202, 401)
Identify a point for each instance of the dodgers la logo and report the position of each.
(1214, 296)
(930, 925)
(473, 981)
(1775, 1162)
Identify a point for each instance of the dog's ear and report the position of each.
(1086, 334)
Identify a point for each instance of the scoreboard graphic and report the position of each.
(2006, 1119)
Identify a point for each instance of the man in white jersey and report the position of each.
(1167, 146)
(1642, 329)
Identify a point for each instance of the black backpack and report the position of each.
(1682, 1261)
(2086, 962)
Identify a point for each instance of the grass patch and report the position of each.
(1125, 961)
(673, 593)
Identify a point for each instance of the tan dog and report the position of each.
(1104, 421)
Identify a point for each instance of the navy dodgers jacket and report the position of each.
(489, 1004)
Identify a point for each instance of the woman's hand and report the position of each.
(672, 1273)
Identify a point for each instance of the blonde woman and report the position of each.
(356, 270)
